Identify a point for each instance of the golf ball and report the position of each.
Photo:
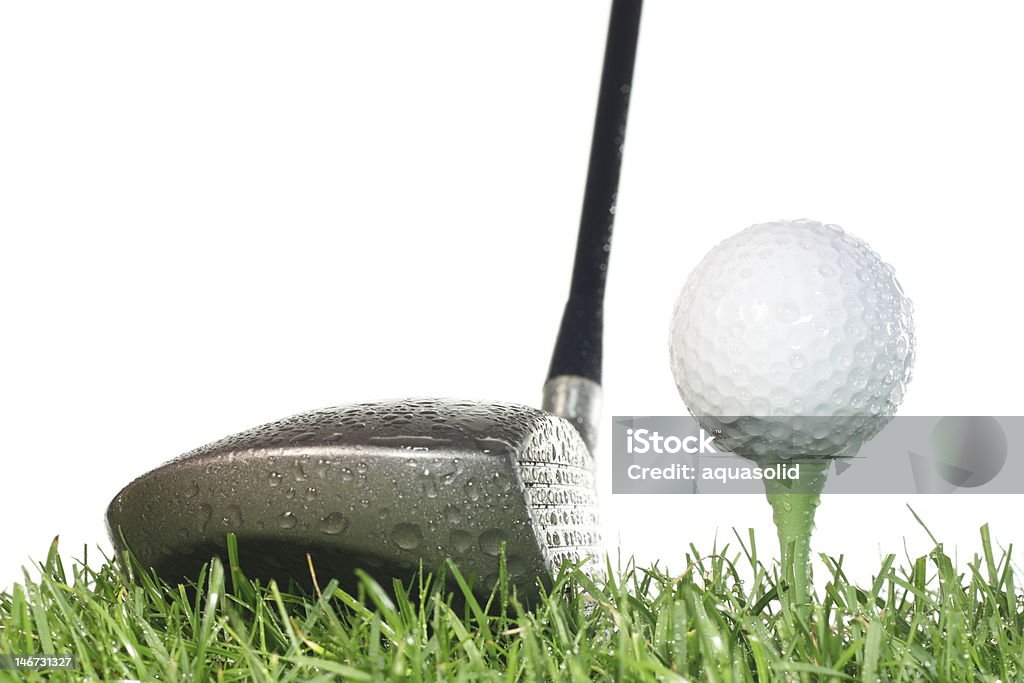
(792, 338)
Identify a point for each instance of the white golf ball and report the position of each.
(792, 338)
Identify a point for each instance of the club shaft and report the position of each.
(578, 347)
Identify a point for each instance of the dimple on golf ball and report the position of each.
(792, 338)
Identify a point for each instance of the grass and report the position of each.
(921, 621)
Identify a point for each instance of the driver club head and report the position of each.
(388, 487)
(381, 487)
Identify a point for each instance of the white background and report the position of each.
(217, 214)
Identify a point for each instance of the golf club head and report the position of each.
(381, 487)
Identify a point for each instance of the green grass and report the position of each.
(921, 621)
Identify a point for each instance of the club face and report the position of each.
(378, 486)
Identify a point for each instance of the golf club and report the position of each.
(388, 486)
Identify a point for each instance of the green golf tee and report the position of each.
(793, 506)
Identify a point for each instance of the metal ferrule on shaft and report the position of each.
(578, 400)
